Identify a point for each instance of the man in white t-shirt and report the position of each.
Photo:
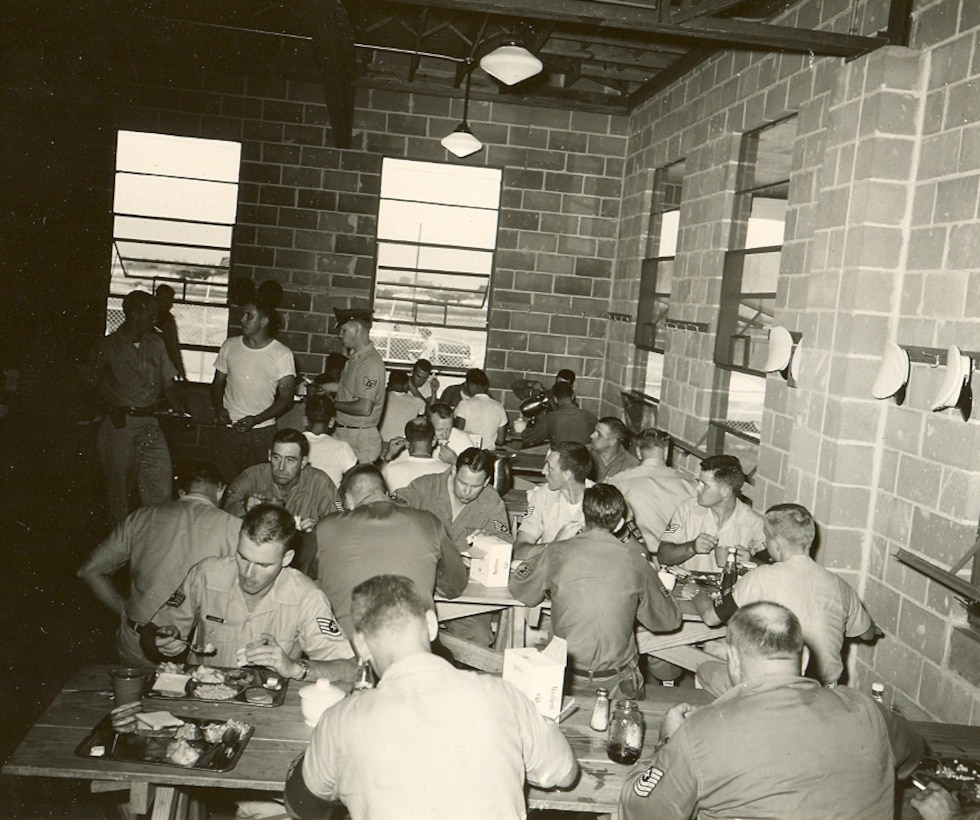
(400, 406)
(479, 414)
(417, 460)
(254, 379)
(327, 453)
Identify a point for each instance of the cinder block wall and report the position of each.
(881, 242)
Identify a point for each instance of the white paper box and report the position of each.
(490, 563)
(539, 674)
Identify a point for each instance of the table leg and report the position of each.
(140, 797)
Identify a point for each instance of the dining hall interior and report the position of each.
(680, 184)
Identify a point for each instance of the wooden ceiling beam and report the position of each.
(708, 31)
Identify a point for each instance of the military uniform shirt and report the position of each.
(828, 608)
(653, 492)
(563, 424)
(310, 496)
(742, 529)
(599, 587)
(623, 460)
(131, 375)
(773, 749)
(435, 742)
(294, 611)
(550, 517)
(485, 512)
(363, 378)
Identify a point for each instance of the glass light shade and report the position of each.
(510, 64)
(461, 142)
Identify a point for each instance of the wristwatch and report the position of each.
(306, 668)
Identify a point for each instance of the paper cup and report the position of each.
(127, 684)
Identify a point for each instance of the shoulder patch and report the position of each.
(524, 570)
(176, 599)
(369, 382)
(673, 526)
(647, 783)
(500, 526)
(329, 627)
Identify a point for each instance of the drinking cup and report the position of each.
(127, 684)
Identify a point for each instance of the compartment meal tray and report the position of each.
(959, 776)
(152, 748)
(240, 679)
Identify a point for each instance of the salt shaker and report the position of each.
(600, 712)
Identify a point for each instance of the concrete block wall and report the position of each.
(881, 234)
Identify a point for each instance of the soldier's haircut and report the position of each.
(266, 523)
(793, 524)
(442, 410)
(616, 426)
(204, 471)
(479, 461)
(387, 600)
(319, 408)
(362, 478)
(726, 469)
(603, 506)
(766, 630)
(289, 435)
(574, 457)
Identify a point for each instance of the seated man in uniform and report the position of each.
(702, 529)
(466, 504)
(160, 544)
(828, 609)
(609, 453)
(254, 609)
(777, 745)
(377, 536)
(417, 460)
(554, 509)
(430, 741)
(566, 422)
(599, 588)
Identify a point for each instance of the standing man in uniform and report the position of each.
(599, 588)
(828, 608)
(376, 536)
(254, 380)
(554, 509)
(653, 490)
(131, 372)
(702, 529)
(166, 324)
(778, 745)
(361, 395)
(254, 608)
(609, 454)
(160, 544)
(465, 503)
(430, 741)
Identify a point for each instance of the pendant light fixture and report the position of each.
(511, 63)
(462, 142)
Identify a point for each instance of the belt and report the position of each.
(603, 674)
(352, 427)
(137, 628)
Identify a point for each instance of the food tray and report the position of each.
(241, 680)
(151, 747)
(958, 776)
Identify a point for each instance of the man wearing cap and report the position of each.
(361, 394)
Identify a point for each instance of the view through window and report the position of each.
(174, 206)
(437, 232)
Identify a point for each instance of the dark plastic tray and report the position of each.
(964, 784)
(152, 749)
(246, 678)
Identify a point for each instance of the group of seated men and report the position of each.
(219, 565)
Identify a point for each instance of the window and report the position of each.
(437, 231)
(748, 291)
(657, 274)
(174, 209)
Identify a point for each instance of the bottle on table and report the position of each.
(364, 679)
(729, 574)
(625, 741)
(878, 692)
(600, 712)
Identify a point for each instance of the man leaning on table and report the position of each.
(776, 746)
(828, 608)
(254, 608)
(430, 741)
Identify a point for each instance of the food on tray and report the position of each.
(158, 721)
(123, 717)
(169, 666)
(171, 684)
(189, 731)
(208, 674)
(182, 753)
(215, 691)
(259, 696)
(215, 732)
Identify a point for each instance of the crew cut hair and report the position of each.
(793, 524)
(766, 630)
(603, 506)
(266, 523)
(574, 457)
(726, 469)
(387, 601)
(290, 435)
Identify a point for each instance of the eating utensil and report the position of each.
(198, 649)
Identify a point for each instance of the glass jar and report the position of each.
(625, 741)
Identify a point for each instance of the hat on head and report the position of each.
(345, 315)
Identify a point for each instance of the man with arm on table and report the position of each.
(566, 422)
(828, 608)
(254, 608)
(554, 509)
(361, 394)
(599, 588)
(377, 536)
(465, 503)
(702, 528)
(653, 490)
(160, 544)
(776, 746)
(430, 741)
